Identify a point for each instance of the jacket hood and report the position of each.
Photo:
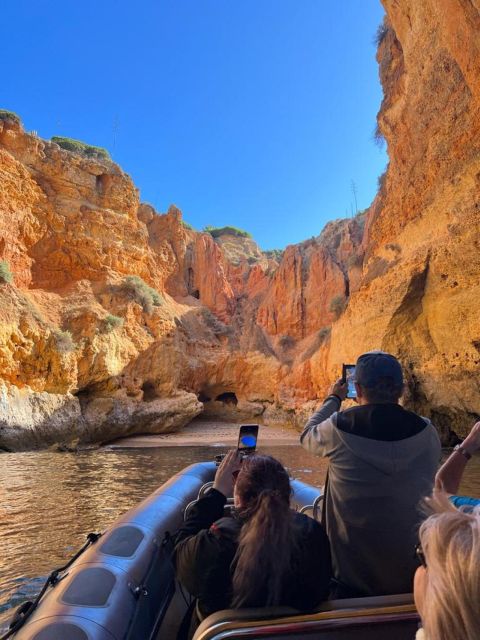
(386, 436)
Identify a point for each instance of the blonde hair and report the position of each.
(450, 539)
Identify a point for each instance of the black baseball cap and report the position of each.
(374, 366)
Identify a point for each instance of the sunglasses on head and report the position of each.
(420, 556)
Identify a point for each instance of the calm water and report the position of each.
(50, 501)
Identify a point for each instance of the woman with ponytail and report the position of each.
(265, 555)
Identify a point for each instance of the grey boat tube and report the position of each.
(120, 587)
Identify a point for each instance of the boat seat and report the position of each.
(376, 618)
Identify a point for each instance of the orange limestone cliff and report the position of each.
(115, 319)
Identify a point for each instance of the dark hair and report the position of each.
(266, 541)
(385, 390)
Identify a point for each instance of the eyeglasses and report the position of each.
(420, 556)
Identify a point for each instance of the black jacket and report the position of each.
(205, 547)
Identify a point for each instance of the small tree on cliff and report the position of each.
(337, 305)
(5, 273)
(111, 322)
(136, 289)
(64, 341)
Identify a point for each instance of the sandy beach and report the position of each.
(202, 432)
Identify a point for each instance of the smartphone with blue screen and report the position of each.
(247, 438)
(348, 376)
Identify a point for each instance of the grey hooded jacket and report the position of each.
(383, 461)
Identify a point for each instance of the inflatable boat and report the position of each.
(121, 586)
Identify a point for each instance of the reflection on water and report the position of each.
(50, 501)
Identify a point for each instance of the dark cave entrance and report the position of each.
(149, 391)
(191, 284)
(227, 398)
(101, 183)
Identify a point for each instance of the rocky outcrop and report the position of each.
(421, 279)
(120, 320)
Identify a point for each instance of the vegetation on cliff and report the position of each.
(84, 149)
(274, 254)
(64, 341)
(5, 273)
(9, 115)
(111, 322)
(136, 289)
(216, 232)
(337, 305)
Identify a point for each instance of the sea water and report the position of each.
(50, 501)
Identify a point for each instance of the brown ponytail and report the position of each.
(263, 558)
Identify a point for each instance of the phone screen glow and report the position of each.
(350, 378)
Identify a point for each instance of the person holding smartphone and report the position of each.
(264, 555)
(383, 460)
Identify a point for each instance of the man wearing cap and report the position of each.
(382, 462)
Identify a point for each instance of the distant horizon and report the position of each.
(258, 116)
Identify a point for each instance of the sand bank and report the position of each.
(202, 432)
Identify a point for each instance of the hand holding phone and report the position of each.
(224, 477)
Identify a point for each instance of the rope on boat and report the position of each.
(26, 609)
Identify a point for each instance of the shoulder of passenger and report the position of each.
(225, 528)
(307, 525)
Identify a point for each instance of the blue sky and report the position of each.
(252, 113)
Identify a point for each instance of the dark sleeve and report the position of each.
(315, 574)
(202, 515)
(196, 547)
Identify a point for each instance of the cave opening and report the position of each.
(227, 398)
(191, 284)
(101, 183)
(203, 397)
(85, 395)
(149, 391)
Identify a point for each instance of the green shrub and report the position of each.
(111, 322)
(64, 341)
(252, 260)
(381, 33)
(9, 115)
(136, 289)
(323, 334)
(378, 137)
(216, 232)
(381, 181)
(84, 149)
(187, 226)
(337, 305)
(274, 254)
(5, 273)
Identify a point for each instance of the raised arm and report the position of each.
(450, 473)
(196, 546)
(316, 435)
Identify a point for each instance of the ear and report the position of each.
(360, 394)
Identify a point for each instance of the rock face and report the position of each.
(121, 320)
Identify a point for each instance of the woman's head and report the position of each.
(266, 542)
(260, 475)
(447, 590)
